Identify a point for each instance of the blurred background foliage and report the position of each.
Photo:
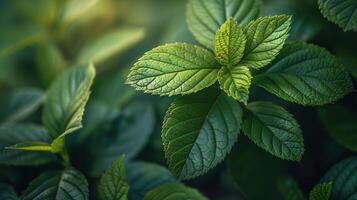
(39, 39)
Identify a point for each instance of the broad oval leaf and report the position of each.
(341, 12)
(229, 43)
(265, 38)
(66, 99)
(305, 74)
(144, 176)
(110, 44)
(113, 184)
(340, 123)
(7, 192)
(235, 81)
(19, 104)
(344, 178)
(198, 131)
(20, 133)
(129, 135)
(289, 189)
(204, 17)
(174, 191)
(173, 69)
(322, 191)
(273, 129)
(68, 184)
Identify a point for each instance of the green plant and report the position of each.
(200, 129)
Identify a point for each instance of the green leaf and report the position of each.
(113, 183)
(110, 44)
(204, 17)
(198, 131)
(340, 123)
(19, 104)
(68, 184)
(341, 12)
(305, 74)
(21, 133)
(321, 191)
(289, 189)
(129, 135)
(229, 43)
(66, 99)
(265, 38)
(235, 81)
(31, 146)
(74, 10)
(7, 192)
(173, 191)
(16, 38)
(273, 129)
(50, 62)
(144, 177)
(344, 178)
(173, 69)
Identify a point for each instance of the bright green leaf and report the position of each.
(19, 104)
(7, 192)
(66, 99)
(22, 133)
(235, 81)
(265, 38)
(341, 12)
(110, 44)
(274, 129)
(68, 184)
(173, 69)
(50, 62)
(144, 177)
(31, 146)
(289, 189)
(229, 43)
(73, 10)
(113, 184)
(321, 191)
(344, 178)
(305, 74)
(173, 191)
(204, 17)
(198, 131)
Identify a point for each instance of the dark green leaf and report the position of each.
(173, 191)
(305, 74)
(198, 131)
(274, 129)
(144, 176)
(321, 191)
(68, 184)
(7, 192)
(344, 178)
(289, 189)
(113, 184)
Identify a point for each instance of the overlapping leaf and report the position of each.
(305, 74)
(7, 192)
(173, 191)
(265, 38)
(341, 12)
(173, 69)
(198, 131)
(21, 133)
(343, 175)
(289, 189)
(321, 191)
(235, 81)
(274, 129)
(113, 183)
(67, 184)
(229, 43)
(204, 17)
(144, 176)
(66, 100)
